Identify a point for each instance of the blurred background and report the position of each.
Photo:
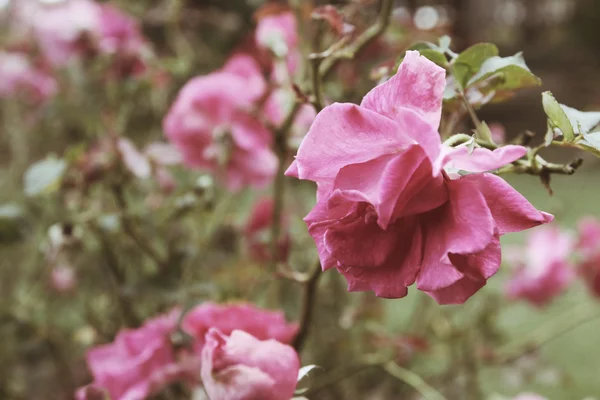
(45, 329)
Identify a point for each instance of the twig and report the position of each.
(385, 14)
(547, 331)
(309, 294)
(281, 150)
(130, 229)
(413, 380)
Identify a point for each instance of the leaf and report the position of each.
(468, 63)
(581, 121)
(11, 219)
(505, 75)
(557, 116)
(428, 51)
(44, 176)
(303, 372)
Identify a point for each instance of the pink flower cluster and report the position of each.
(544, 271)
(240, 352)
(588, 245)
(219, 122)
(19, 76)
(81, 28)
(391, 208)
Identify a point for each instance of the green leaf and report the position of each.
(11, 219)
(469, 62)
(581, 121)
(504, 76)
(557, 116)
(44, 176)
(429, 51)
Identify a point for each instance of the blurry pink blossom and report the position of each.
(18, 76)
(242, 367)
(544, 271)
(278, 34)
(163, 153)
(212, 125)
(63, 279)
(498, 132)
(82, 28)
(262, 324)
(390, 208)
(588, 245)
(138, 363)
(136, 162)
(257, 232)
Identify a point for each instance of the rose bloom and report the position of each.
(544, 272)
(83, 28)
(258, 229)
(19, 76)
(242, 367)
(138, 363)
(588, 245)
(278, 34)
(212, 125)
(391, 209)
(262, 324)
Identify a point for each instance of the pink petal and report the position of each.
(245, 66)
(344, 134)
(387, 182)
(419, 85)
(414, 126)
(391, 280)
(511, 211)
(457, 293)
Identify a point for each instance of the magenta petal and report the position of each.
(481, 265)
(457, 293)
(414, 126)
(344, 134)
(358, 243)
(392, 279)
(511, 211)
(388, 182)
(418, 85)
(482, 160)
(292, 170)
(438, 276)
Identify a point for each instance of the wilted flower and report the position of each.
(588, 245)
(212, 125)
(242, 367)
(262, 324)
(257, 232)
(544, 271)
(389, 210)
(18, 76)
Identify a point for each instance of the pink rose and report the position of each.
(138, 363)
(588, 245)
(84, 28)
(390, 208)
(544, 272)
(262, 324)
(242, 367)
(212, 125)
(258, 232)
(19, 76)
(278, 34)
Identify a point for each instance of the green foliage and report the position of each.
(557, 117)
(469, 62)
(44, 176)
(504, 75)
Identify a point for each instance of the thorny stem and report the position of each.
(131, 230)
(413, 380)
(309, 296)
(385, 14)
(547, 331)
